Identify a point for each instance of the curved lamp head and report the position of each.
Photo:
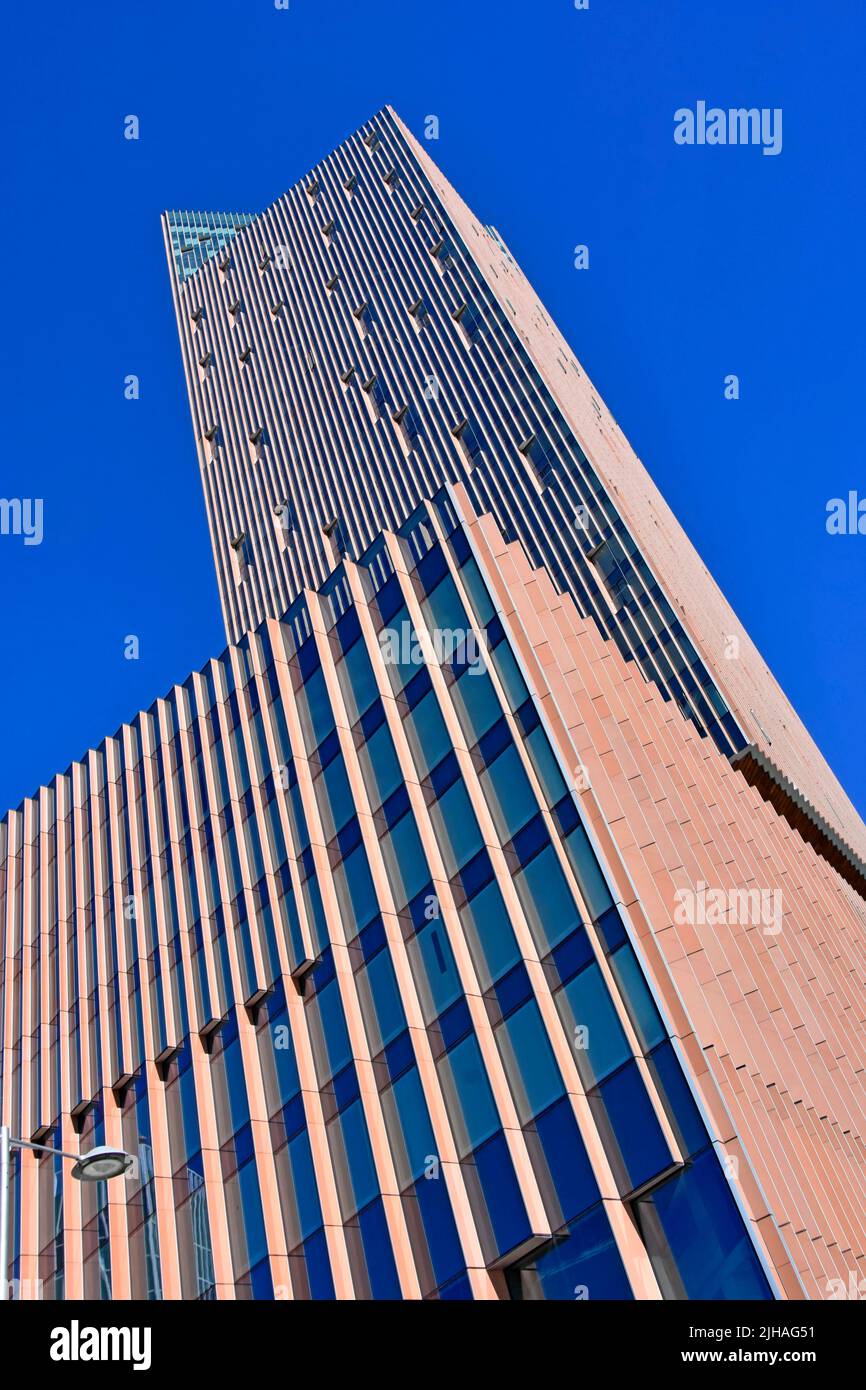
(102, 1163)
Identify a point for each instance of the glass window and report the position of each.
(356, 893)
(314, 709)
(547, 900)
(529, 1061)
(378, 1255)
(696, 1238)
(331, 1046)
(433, 967)
(545, 765)
(630, 1130)
(475, 701)
(380, 1001)
(412, 1140)
(508, 671)
(309, 1212)
(565, 1159)
(584, 1264)
(427, 734)
(407, 867)
(443, 1243)
(379, 766)
(455, 826)
(443, 609)
(400, 649)
(336, 803)
(633, 987)
(354, 1169)
(679, 1102)
(502, 1196)
(357, 680)
(592, 1025)
(468, 1096)
(508, 793)
(587, 872)
(490, 935)
(478, 593)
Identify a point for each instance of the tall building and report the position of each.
(454, 934)
(366, 339)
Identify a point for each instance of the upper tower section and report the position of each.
(366, 339)
(194, 237)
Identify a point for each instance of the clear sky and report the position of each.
(557, 125)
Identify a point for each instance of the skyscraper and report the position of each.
(366, 339)
(482, 923)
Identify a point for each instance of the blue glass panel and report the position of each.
(433, 967)
(585, 1265)
(591, 1022)
(419, 1142)
(443, 1242)
(509, 673)
(471, 1107)
(508, 793)
(611, 929)
(404, 859)
(304, 1180)
(529, 1061)
(457, 1290)
(572, 954)
(427, 733)
(389, 1018)
(357, 680)
(359, 1156)
(261, 1283)
(513, 989)
(379, 766)
(502, 1194)
(633, 987)
(697, 1241)
(547, 900)
(251, 1210)
(637, 1133)
(455, 1023)
(682, 1110)
(564, 1151)
(545, 765)
(356, 893)
(587, 872)
(333, 1026)
(319, 1267)
(490, 934)
(455, 827)
(338, 805)
(443, 609)
(381, 1269)
(399, 1055)
(476, 703)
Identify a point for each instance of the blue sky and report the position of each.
(557, 126)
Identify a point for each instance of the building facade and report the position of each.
(451, 935)
(322, 939)
(366, 339)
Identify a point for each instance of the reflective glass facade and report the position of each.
(366, 339)
(322, 940)
(389, 943)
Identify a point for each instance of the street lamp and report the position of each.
(98, 1165)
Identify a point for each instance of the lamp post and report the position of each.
(98, 1165)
